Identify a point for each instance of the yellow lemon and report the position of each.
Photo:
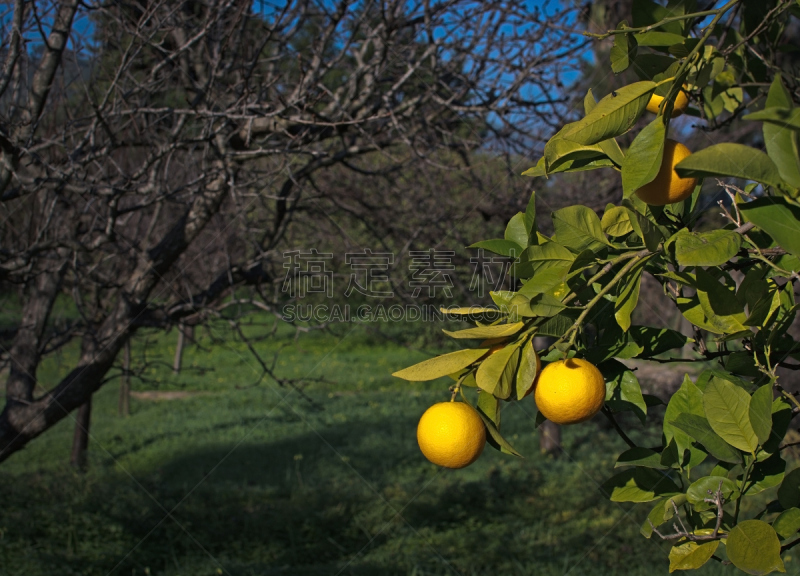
(570, 391)
(451, 434)
(681, 102)
(668, 187)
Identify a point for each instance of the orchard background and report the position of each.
(195, 196)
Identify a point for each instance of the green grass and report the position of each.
(256, 480)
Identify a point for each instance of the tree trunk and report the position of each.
(549, 433)
(80, 441)
(550, 438)
(124, 404)
(183, 333)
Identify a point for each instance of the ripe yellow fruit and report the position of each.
(668, 187)
(451, 434)
(678, 108)
(570, 391)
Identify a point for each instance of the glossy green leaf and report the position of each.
(718, 302)
(727, 409)
(787, 523)
(639, 485)
(643, 160)
(501, 247)
(578, 228)
(753, 547)
(530, 220)
(706, 248)
(691, 555)
(578, 165)
(441, 365)
(778, 218)
(729, 159)
(761, 412)
(484, 332)
(698, 428)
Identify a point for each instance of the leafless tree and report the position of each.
(157, 154)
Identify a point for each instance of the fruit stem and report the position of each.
(457, 388)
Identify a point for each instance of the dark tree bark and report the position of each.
(124, 402)
(158, 178)
(80, 439)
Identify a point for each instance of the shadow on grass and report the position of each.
(357, 499)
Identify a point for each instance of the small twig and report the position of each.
(608, 414)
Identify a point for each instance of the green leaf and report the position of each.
(698, 492)
(655, 341)
(490, 374)
(788, 523)
(626, 394)
(578, 228)
(640, 457)
(687, 400)
(545, 305)
(485, 332)
(543, 257)
(784, 117)
(516, 231)
(527, 371)
(781, 418)
(542, 282)
(495, 439)
(729, 159)
(789, 492)
(623, 51)
(661, 512)
(761, 412)
(638, 485)
(441, 365)
(776, 217)
(766, 474)
(530, 220)
(698, 428)
(691, 555)
(645, 228)
(706, 248)
(628, 296)
(718, 302)
(489, 406)
(616, 221)
(727, 408)
(782, 145)
(612, 116)
(654, 38)
(643, 160)
(501, 247)
(753, 547)
(577, 165)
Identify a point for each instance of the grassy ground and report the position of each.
(256, 480)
